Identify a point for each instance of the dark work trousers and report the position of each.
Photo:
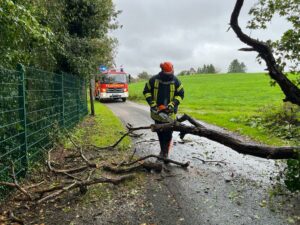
(165, 139)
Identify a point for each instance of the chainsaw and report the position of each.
(163, 113)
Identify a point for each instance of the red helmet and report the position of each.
(167, 67)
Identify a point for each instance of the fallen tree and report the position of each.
(263, 151)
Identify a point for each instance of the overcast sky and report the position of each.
(189, 33)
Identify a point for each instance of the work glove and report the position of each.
(153, 109)
(170, 108)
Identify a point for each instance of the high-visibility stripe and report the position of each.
(179, 88)
(172, 103)
(156, 85)
(172, 91)
(178, 98)
(153, 104)
(147, 95)
(148, 85)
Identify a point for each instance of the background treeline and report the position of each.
(234, 67)
(58, 35)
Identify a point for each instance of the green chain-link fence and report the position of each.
(33, 103)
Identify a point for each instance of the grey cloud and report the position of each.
(189, 33)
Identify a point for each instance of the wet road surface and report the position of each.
(229, 193)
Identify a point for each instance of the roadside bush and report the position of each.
(283, 122)
(292, 175)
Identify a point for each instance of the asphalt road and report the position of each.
(233, 192)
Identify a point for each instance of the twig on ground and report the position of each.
(80, 149)
(133, 135)
(110, 147)
(115, 144)
(15, 183)
(124, 161)
(90, 174)
(146, 141)
(88, 162)
(65, 171)
(34, 185)
(131, 157)
(209, 161)
(144, 165)
(184, 165)
(61, 189)
(14, 219)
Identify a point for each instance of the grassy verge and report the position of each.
(227, 100)
(102, 130)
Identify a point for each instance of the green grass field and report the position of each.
(223, 99)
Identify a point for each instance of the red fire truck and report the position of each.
(111, 84)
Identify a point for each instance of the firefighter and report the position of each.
(164, 92)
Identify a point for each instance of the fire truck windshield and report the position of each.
(113, 78)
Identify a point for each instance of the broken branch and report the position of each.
(62, 189)
(144, 165)
(15, 183)
(184, 165)
(209, 161)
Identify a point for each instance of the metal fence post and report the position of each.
(62, 100)
(22, 114)
(85, 97)
(78, 97)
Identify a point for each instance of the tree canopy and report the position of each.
(61, 36)
(205, 69)
(287, 48)
(144, 75)
(237, 67)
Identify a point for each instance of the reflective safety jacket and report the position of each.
(164, 89)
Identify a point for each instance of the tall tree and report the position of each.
(236, 67)
(144, 75)
(88, 23)
(57, 35)
(21, 33)
(205, 69)
(211, 69)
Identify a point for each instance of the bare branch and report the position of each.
(61, 189)
(247, 49)
(144, 165)
(15, 183)
(14, 219)
(184, 165)
(209, 161)
(115, 144)
(64, 171)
